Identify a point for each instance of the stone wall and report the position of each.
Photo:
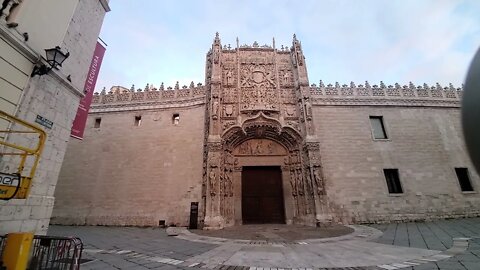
(425, 143)
(55, 98)
(57, 103)
(134, 175)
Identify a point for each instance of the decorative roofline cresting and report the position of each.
(120, 97)
(407, 95)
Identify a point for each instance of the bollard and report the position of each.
(17, 250)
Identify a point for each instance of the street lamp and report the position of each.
(55, 57)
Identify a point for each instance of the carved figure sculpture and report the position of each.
(318, 181)
(300, 182)
(215, 110)
(308, 109)
(285, 78)
(213, 181)
(293, 182)
(229, 77)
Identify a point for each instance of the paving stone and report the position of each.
(135, 248)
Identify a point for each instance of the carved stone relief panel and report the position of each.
(288, 95)
(258, 85)
(227, 124)
(229, 111)
(257, 57)
(230, 95)
(228, 58)
(294, 125)
(260, 147)
(257, 76)
(290, 111)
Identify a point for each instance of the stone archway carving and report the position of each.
(262, 126)
(259, 129)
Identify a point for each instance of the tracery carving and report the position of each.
(257, 76)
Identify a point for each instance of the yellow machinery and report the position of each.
(17, 251)
(17, 185)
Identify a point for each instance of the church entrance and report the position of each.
(262, 195)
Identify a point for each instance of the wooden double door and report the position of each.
(262, 195)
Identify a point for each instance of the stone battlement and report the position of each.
(422, 95)
(119, 94)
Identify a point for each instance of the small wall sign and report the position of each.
(44, 121)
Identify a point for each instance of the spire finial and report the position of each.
(238, 43)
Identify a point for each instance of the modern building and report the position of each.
(259, 144)
(50, 101)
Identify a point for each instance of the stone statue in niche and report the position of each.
(293, 182)
(309, 180)
(228, 185)
(285, 78)
(229, 159)
(300, 185)
(213, 181)
(228, 77)
(215, 109)
(318, 181)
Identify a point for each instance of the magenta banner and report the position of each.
(78, 126)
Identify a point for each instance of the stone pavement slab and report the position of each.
(439, 245)
(438, 235)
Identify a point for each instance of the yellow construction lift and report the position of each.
(19, 154)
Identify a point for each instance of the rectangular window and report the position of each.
(378, 129)
(393, 181)
(97, 122)
(176, 118)
(464, 179)
(138, 120)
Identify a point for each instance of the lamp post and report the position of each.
(55, 57)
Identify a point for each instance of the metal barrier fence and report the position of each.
(51, 252)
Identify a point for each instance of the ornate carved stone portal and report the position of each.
(259, 114)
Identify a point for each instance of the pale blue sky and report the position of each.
(151, 41)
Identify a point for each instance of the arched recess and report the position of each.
(262, 126)
(265, 142)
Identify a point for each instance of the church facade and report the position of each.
(259, 144)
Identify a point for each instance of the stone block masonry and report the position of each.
(141, 165)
